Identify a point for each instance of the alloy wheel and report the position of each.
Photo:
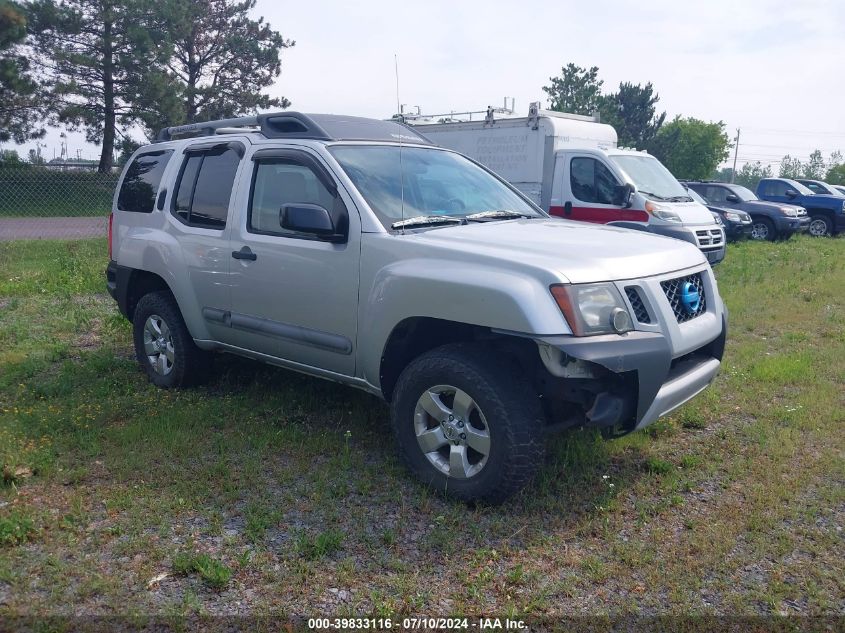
(452, 431)
(158, 345)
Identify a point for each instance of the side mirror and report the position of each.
(310, 218)
(732, 197)
(622, 195)
(791, 193)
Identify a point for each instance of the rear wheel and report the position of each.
(467, 426)
(820, 226)
(762, 229)
(163, 346)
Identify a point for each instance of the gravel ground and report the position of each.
(52, 228)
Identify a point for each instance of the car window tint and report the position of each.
(716, 194)
(205, 188)
(186, 186)
(777, 188)
(140, 184)
(279, 182)
(591, 181)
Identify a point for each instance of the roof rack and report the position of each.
(325, 127)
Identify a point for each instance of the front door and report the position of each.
(294, 296)
(587, 192)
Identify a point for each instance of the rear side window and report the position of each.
(140, 184)
(205, 187)
(591, 181)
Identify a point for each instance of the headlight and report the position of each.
(592, 308)
(733, 217)
(661, 213)
(791, 213)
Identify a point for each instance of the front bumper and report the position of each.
(735, 231)
(787, 225)
(663, 383)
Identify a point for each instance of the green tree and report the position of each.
(21, 103)
(221, 62)
(816, 167)
(632, 112)
(577, 90)
(102, 57)
(836, 175)
(752, 173)
(790, 167)
(691, 148)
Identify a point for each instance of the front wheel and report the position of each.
(820, 226)
(762, 229)
(467, 426)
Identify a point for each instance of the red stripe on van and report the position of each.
(601, 215)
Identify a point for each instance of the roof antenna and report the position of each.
(402, 120)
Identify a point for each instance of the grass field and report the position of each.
(268, 492)
(40, 193)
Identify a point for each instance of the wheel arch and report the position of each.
(414, 336)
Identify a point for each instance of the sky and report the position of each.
(773, 68)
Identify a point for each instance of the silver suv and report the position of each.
(355, 250)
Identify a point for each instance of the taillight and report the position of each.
(111, 219)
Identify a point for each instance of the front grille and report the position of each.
(637, 304)
(674, 289)
(709, 237)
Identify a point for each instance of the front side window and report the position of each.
(205, 187)
(716, 194)
(414, 181)
(591, 181)
(140, 184)
(279, 181)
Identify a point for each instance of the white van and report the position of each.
(571, 166)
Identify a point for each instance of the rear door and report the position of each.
(295, 297)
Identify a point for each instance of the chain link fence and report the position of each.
(45, 203)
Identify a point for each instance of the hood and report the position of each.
(763, 205)
(689, 212)
(574, 251)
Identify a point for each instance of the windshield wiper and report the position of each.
(500, 214)
(653, 195)
(681, 199)
(427, 220)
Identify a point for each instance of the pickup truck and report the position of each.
(357, 251)
(827, 212)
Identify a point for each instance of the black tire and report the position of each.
(816, 220)
(763, 229)
(511, 409)
(190, 364)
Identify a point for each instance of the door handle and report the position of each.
(245, 253)
(567, 208)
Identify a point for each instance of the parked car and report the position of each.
(357, 251)
(737, 224)
(827, 213)
(840, 189)
(769, 220)
(571, 166)
(817, 186)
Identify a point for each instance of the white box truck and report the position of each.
(571, 166)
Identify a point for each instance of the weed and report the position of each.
(322, 545)
(15, 528)
(214, 573)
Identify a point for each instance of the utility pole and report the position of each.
(736, 152)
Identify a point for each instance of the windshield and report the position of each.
(650, 177)
(436, 183)
(743, 193)
(802, 189)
